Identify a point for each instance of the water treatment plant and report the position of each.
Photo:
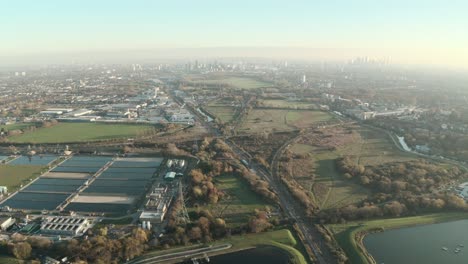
(73, 193)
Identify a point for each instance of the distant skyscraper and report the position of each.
(304, 79)
(17, 73)
(23, 73)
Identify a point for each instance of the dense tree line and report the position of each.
(204, 229)
(218, 158)
(417, 177)
(94, 248)
(399, 188)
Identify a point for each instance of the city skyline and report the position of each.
(421, 32)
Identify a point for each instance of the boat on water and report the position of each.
(444, 248)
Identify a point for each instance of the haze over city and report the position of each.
(409, 32)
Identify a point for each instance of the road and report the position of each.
(199, 252)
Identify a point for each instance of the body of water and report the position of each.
(33, 160)
(265, 254)
(436, 243)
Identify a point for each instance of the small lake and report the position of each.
(421, 244)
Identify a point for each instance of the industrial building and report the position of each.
(65, 225)
(6, 222)
(170, 175)
(175, 163)
(156, 206)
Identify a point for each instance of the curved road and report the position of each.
(200, 252)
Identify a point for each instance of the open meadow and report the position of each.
(223, 110)
(317, 171)
(260, 120)
(79, 132)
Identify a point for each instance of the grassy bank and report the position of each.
(346, 234)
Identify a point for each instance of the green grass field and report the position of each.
(260, 120)
(12, 176)
(236, 82)
(345, 234)
(239, 203)
(79, 132)
(222, 110)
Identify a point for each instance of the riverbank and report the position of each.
(350, 235)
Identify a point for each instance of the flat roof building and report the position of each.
(6, 222)
(65, 225)
(170, 175)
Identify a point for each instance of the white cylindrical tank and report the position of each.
(143, 225)
(148, 225)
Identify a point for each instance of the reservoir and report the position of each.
(437, 243)
(257, 255)
(264, 254)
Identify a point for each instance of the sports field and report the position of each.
(79, 132)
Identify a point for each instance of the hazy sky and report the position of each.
(410, 31)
